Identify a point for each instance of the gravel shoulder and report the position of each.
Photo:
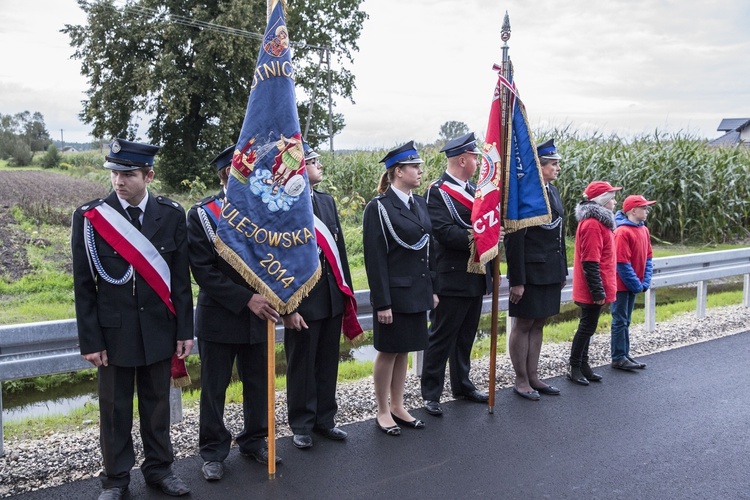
(32, 464)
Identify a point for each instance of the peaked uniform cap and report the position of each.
(406, 154)
(128, 155)
(465, 144)
(223, 159)
(548, 150)
(309, 152)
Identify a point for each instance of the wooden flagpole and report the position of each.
(271, 399)
(271, 355)
(505, 134)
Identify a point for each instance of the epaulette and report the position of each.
(380, 196)
(88, 206)
(205, 201)
(170, 203)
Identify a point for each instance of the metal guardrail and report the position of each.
(49, 347)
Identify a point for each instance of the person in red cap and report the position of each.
(594, 282)
(634, 268)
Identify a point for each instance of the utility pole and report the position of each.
(62, 140)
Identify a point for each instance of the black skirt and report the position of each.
(407, 333)
(538, 301)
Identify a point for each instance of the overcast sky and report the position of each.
(628, 67)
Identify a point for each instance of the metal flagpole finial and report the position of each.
(505, 30)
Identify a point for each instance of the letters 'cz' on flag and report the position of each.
(266, 229)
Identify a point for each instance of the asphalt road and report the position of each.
(677, 430)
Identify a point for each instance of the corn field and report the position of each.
(703, 193)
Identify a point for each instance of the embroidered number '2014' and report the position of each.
(274, 268)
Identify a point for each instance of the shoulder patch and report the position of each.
(88, 206)
(205, 201)
(163, 200)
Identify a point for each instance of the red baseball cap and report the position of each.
(597, 188)
(635, 200)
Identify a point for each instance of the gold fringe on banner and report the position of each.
(478, 265)
(234, 260)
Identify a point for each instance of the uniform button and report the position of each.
(162, 249)
(421, 260)
(142, 309)
(115, 253)
(423, 275)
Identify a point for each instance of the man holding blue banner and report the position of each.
(265, 228)
(230, 321)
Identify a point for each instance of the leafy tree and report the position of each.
(53, 157)
(143, 60)
(21, 135)
(452, 129)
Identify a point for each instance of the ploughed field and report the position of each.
(45, 198)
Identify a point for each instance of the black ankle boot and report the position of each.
(575, 374)
(589, 373)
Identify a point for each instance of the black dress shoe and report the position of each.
(574, 374)
(260, 455)
(333, 433)
(393, 430)
(548, 390)
(641, 366)
(172, 486)
(302, 441)
(414, 424)
(624, 364)
(112, 493)
(476, 396)
(213, 471)
(590, 375)
(433, 408)
(530, 395)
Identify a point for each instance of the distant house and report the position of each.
(736, 131)
(69, 149)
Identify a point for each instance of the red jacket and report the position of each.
(633, 246)
(594, 243)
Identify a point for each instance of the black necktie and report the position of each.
(135, 216)
(469, 189)
(413, 208)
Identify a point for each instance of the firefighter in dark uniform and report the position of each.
(230, 323)
(312, 333)
(455, 320)
(130, 324)
(398, 251)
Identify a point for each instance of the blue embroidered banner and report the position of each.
(525, 200)
(266, 228)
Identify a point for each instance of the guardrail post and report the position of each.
(649, 299)
(418, 363)
(700, 306)
(175, 405)
(746, 290)
(2, 437)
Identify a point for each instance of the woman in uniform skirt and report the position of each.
(537, 272)
(397, 234)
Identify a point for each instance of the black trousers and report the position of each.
(452, 331)
(217, 360)
(116, 388)
(312, 358)
(579, 351)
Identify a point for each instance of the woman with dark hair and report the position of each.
(397, 234)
